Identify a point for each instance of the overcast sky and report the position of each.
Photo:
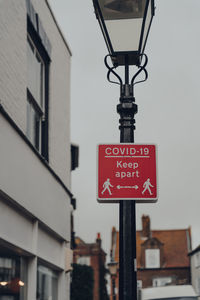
(169, 114)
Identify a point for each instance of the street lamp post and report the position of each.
(112, 266)
(113, 286)
(125, 25)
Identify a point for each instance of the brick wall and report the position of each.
(182, 275)
(95, 266)
(97, 261)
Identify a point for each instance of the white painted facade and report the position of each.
(195, 269)
(35, 197)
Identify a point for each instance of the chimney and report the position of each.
(145, 226)
(98, 239)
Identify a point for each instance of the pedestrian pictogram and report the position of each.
(147, 186)
(106, 186)
(127, 172)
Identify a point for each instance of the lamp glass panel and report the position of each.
(123, 20)
(122, 9)
(147, 24)
(113, 268)
(124, 34)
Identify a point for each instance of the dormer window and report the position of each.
(152, 258)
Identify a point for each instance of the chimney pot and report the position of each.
(98, 239)
(146, 226)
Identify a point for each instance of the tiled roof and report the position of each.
(176, 246)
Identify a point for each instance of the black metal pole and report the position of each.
(127, 247)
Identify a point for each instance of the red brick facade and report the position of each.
(167, 249)
(179, 275)
(95, 257)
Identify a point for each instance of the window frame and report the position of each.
(84, 260)
(46, 274)
(34, 39)
(157, 258)
(161, 281)
(197, 259)
(36, 139)
(13, 275)
(39, 102)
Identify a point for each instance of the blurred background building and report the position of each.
(162, 256)
(91, 255)
(195, 268)
(36, 204)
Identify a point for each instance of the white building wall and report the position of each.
(34, 204)
(28, 182)
(23, 232)
(15, 228)
(13, 84)
(25, 237)
(59, 104)
(195, 271)
(51, 250)
(13, 59)
(13, 36)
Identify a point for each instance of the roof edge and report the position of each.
(161, 230)
(173, 229)
(58, 27)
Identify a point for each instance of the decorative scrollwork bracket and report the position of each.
(126, 85)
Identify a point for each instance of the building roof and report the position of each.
(58, 27)
(176, 245)
(83, 248)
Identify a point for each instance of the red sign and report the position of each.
(127, 172)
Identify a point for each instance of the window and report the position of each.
(83, 260)
(13, 278)
(74, 156)
(36, 68)
(198, 285)
(35, 95)
(197, 259)
(162, 281)
(152, 258)
(33, 124)
(47, 283)
(38, 61)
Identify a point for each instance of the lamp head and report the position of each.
(113, 266)
(125, 25)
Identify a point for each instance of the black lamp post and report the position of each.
(125, 25)
(112, 266)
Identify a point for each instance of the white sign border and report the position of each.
(118, 200)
